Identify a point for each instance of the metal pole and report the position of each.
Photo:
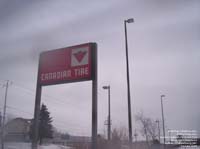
(135, 136)
(109, 121)
(128, 88)
(94, 100)
(94, 114)
(0, 121)
(36, 116)
(163, 121)
(158, 130)
(36, 111)
(109, 115)
(4, 116)
(169, 136)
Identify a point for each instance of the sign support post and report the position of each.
(94, 100)
(36, 112)
(36, 117)
(94, 114)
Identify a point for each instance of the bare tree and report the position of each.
(148, 127)
(119, 137)
(120, 133)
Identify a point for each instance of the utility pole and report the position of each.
(163, 119)
(169, 131)
(0, 125)
(135, 135)
(0, 121)
(4, 115)
(158, 122)
(109, 117)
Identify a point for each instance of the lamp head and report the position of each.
(106, 87)
(162, 96)
(131, 20)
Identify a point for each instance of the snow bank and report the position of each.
(28, 146)
(52, 146)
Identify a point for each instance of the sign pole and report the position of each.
(94, 114)
(36, 112)
(36, 117)
(94, 99)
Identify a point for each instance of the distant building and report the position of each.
(182, 137)
(17, 130)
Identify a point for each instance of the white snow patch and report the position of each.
(28, 146)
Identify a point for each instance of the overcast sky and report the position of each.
(164, 57)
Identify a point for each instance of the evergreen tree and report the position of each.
(45, 126)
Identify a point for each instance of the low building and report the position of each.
(17, 130)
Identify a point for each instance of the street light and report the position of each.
(131, 20)
(158, 122)
(163, 121)
(109, 119)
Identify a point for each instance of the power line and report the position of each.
(45, 96)
(16, 109)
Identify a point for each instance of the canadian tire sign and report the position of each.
(66, 65)
(70, 64)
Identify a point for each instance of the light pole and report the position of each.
(131, 20)
(163, 121)
(157, 121)
(109, 118)
(169, 131)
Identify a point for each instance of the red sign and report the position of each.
(67, 64)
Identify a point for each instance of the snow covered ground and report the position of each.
(28, 146)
